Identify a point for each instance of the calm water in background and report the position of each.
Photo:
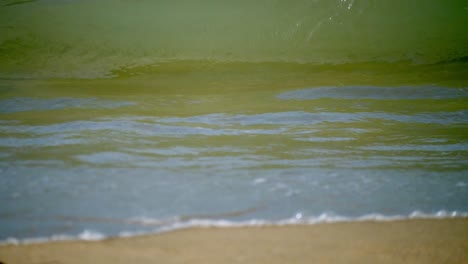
(124, 116)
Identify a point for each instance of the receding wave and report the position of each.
(91, 39)
(176, 224)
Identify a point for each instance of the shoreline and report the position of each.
(442, 240)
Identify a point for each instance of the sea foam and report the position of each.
(174, 224)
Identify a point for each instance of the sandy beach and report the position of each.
(408, 241)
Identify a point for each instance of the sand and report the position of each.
(408, 241)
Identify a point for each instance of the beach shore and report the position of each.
(402, 241)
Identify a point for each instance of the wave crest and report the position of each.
(90, 39)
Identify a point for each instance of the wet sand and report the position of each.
(408, 241)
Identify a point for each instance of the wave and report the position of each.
(183, 223)
(93, 39)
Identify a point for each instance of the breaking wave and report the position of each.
(96, 39)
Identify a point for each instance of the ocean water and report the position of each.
(129, 117)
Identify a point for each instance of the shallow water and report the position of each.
(134, 136)
(76, 155)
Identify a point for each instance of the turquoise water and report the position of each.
(126, 117)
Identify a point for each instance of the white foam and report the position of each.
(175, 224)
(86, 235)
(91, 235)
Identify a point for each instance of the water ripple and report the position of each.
(377, 93)
(22, 104)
